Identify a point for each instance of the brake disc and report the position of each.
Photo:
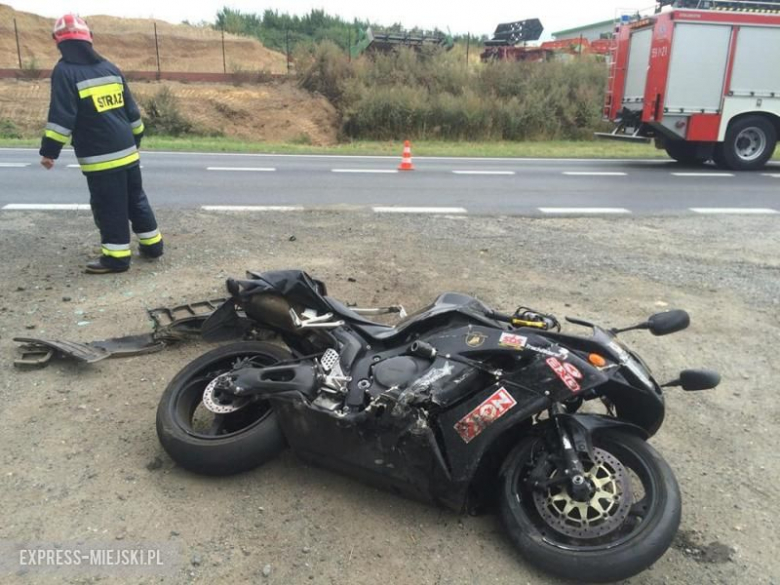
(219, 401)
(605, 511)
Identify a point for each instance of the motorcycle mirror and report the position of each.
(669, 322)
(693, 380)
(661, 323)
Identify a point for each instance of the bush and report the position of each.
(8, 129)
(326, 72)
(432, 94)
(162, 115)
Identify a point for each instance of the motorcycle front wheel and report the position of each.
(624, 526)
(243, 435)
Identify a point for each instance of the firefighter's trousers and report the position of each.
(116, 198)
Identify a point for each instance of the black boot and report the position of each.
(151, 252)
(100, 266)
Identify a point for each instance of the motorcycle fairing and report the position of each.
(633, 399)
(393, 451)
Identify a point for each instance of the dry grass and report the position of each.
(130, 44)
(275, 112)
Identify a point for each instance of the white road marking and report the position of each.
(589, 210)
(13, 165)
(773, 175)
(243, 169)
(46, 206)
(419, 210)
(735, 210)
(594, 174)
(380, 171)
(703, 174)
(252, 207)
(519, 159)
(483, 172)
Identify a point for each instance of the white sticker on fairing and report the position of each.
(512, 340)
(630, 363)
(434, 375)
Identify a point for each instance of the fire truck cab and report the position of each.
(704, 84)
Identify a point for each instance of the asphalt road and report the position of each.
(438, 185)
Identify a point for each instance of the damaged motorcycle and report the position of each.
(457, 404)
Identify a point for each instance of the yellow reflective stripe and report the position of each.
(117, 253)
(150, 241)
(56, 136)
(111, 164)
(138, 130)
(101, 90)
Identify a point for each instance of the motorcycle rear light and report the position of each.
(596, 360)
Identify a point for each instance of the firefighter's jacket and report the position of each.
(92, 106)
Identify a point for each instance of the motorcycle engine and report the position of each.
(399, 371)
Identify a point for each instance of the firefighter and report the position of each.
(91, 105)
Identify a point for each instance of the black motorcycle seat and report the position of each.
(344, 311)
(446, 301)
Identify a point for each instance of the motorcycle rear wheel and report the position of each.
(228, 443)
(645, 530)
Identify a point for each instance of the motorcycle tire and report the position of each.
(613, 556)
(238, 441)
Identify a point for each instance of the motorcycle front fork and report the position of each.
(572, 468)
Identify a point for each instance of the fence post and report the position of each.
(157, 50)
(287, 43)
(224, 62)
(18, 48)
(349, 44)
(468, 45)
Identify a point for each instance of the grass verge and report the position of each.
(551, 149)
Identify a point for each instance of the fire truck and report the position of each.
(703, 84)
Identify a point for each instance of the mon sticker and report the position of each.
(512, 340)
(572, 369)
(566, 374)
(484, 415)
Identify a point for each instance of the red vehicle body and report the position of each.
(704, 84)
(548, 50)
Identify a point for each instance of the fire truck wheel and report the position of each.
(684, 153)
(750, 142)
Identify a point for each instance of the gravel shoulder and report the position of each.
(81, 461)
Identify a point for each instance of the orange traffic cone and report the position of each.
(406, 159)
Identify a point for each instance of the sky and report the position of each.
(459, 17)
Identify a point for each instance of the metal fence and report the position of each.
(161, 48)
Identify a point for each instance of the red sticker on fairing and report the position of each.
(566, 374)
(484, 415)
(572, 369)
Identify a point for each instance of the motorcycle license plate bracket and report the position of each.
(170, 325)
(34, 356)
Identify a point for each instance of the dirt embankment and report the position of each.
(275, 112)
(130, 43)
(81, 462)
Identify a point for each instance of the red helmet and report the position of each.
(71, 28)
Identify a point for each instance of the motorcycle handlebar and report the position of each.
(501, 317)
(527, 319)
